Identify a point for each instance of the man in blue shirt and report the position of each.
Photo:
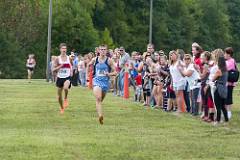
(75, 69)
(122, 64)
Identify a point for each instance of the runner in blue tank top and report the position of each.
(103, 69)
(100, 79)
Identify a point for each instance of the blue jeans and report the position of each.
(116, 86)
(121, 82)
(186, 97)
(82, 78)
(194, 97)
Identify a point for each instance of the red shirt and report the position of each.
(198, 62)
(138, 80)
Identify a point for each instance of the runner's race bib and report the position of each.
(64, 72)
(101, 73)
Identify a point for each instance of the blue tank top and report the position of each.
(101, 69)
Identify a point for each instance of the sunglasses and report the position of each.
(121, 50)
(103, 49)
(187, 58)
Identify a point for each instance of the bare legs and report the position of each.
(99, 95)
(179, 98)
(30, 73)
(60, 99)
(157, 94)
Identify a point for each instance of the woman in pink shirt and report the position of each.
(231, 65)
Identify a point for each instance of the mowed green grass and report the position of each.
(32, 128)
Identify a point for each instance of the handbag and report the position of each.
(222, 90)
(233, 75)
(221, 86)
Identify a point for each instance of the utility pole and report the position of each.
(150, 23)
(49, 40)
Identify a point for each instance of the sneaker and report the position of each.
(202, 116)
(100, 120)
(61, 111)
(208, 120)
(65, 103)
(229, 114)
(152, 106)
(157, 107)
(225, 124)
(205, 119)
(175, 109)
(216, 123)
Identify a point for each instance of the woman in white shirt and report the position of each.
(192, 77)
(178, 80)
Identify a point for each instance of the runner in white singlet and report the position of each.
(63, 67)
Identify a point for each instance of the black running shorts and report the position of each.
(60, 82)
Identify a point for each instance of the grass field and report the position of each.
(32, 128)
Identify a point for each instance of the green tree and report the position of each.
(214, 25)
(74, 26)
(174, 26)
(22, 27)
(113, 17)
(11, 64)
(106, 38)
(233, 9)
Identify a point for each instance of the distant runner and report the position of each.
(31, 63)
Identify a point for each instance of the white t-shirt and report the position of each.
(212, 72)
(177, 78)
(81, 66)
(192, 80)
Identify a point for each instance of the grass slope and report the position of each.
(32, 128)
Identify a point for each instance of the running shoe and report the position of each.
(61, 111)
(100, 120)
(65, 103)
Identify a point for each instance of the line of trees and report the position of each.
(83, 24)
